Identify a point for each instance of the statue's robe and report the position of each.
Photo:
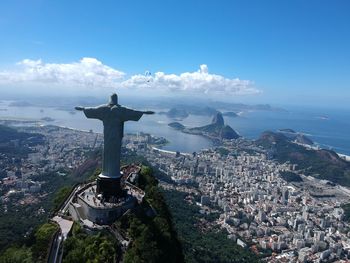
(113, 117)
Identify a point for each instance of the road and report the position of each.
(56, 252)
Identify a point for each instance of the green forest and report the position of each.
(82, 247)
(150, 227)
(36, 249)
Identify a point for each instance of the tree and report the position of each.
(81, 247)
(61, 195)
(17, 255)
(43, 237)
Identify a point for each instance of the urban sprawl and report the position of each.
(298, 222)
(293, 221)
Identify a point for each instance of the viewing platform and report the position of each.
(87, 205)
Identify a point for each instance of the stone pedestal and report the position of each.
(109, 186)
(90, 209)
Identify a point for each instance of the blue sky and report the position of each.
(295, 52)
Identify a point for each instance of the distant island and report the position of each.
(287, 130)
(48, 119)
(183, 111)
(230, 114)
(176, 113)
(20, 104)
(177, 126)
(231, 110)
(216, 131)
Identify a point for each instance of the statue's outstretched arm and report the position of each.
(93, 112)
(132, 115)
(148, 112)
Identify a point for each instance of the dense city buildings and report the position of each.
(298, 219)
(61, 151)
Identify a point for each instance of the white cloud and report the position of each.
(91, 75)
(200, 81)
(88, 72)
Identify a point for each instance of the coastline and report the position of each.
(70, 128)
(26, 121)
(315, 147)
(344, 156)
(169, 152)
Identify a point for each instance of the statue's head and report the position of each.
(114, 99)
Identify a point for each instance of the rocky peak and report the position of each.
(218, 119)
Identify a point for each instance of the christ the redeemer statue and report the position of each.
(113, 117)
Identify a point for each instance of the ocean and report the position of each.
(329, 128)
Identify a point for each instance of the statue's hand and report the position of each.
(79, 108)
(148, 112)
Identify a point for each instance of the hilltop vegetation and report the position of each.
(36, 249)
(150, 228)
(8, 134)
(322, 164)
(296, 136)
(82, 247)
(16, 144)
(17, 255)
(291, 177)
